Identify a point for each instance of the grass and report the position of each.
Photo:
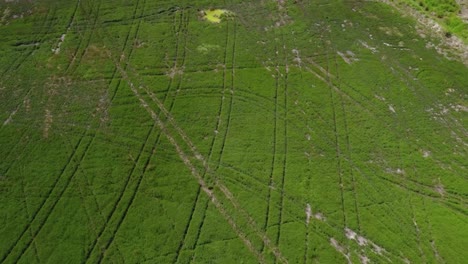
(445, 12)
(155, 136)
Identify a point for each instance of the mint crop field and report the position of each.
(144, 131)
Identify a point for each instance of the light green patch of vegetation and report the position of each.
(216, 15)
(205, 48)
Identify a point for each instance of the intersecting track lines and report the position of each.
(220, 112)
(278, 167)
(183, 29)
(346, 139)
(76, 59)
(73, 164)
(31, 88)
(199, 201)
(197, 156)
(187, 161)
(112, 217)
(346, 157)
(54, 188)
(39, 38)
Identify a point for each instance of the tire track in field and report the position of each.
(90, 36)
(336, 143)
(137, 161)
(372, 112)
(344, 94)
(294, 202)
(200, 158)
(426, 96)
(183, 30)
(400, 125)
(22, 59)
(210, 153)
(41, 206)
(328, 81)
(31, 88)
(48, 196)
(90, 219)
(227, 194)
(273, 160)
(37, 40)
(186, 160)
(347, 142)
(107, 244)
(295, 206)
(408, 78)
(399, 71)
(431, 235)
(218, 124)
(61, 192)
(285, 138)
(231, 98)
(22, 137)
(26, 208)
(37, 45)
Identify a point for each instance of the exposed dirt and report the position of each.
(48, 119)
(449, 47)
(463, 9)
(340, 249)
(308, 212)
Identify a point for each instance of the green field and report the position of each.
(449, 13)
(137, 131)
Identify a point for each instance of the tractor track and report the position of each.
(29, 91)
(285, 138)
(24, 58)
(273, 160)
(370, 111)
(129, 176)
(347, 141)
(336, 143)
(186, 159)
(88, 41)
(340, 91)
(41, 206)
(210, 154)
(67, 183)
(37, 40)
(346, 157)
(250, 221)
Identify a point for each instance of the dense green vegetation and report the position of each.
(293, 131)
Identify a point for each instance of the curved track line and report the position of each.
(196, 174)
(124, 189)
(48, 195)
(210, 153)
